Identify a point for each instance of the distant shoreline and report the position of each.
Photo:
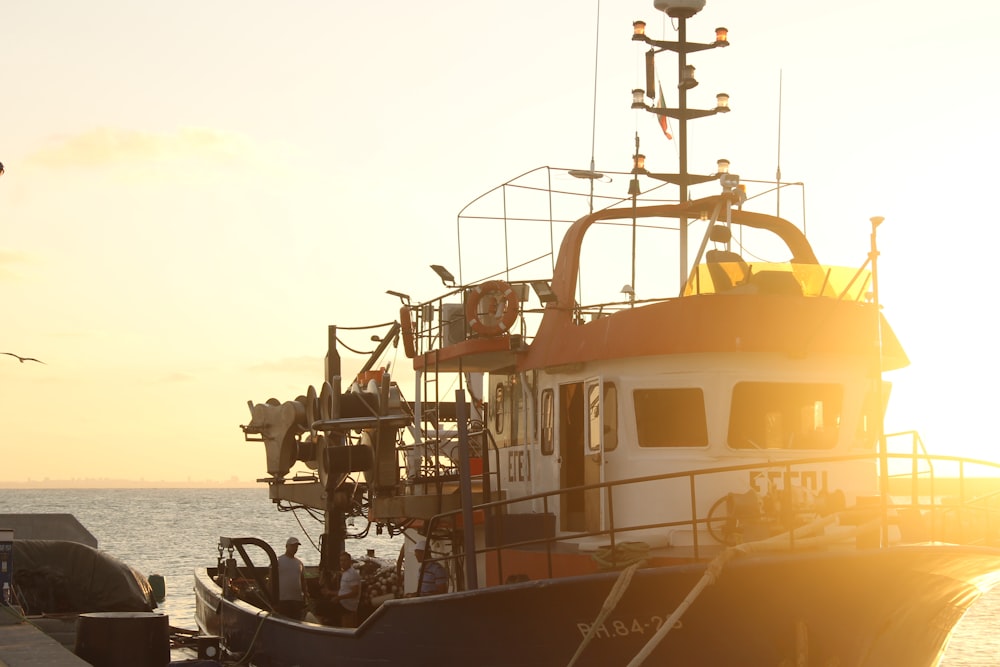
(126, 484)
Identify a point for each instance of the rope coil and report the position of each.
(622, 555)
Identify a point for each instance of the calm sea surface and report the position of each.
(173, 532)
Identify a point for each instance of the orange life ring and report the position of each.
(491, 308)
(406, 327)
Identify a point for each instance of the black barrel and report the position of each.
(123, 639)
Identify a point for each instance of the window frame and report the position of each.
(675, 439)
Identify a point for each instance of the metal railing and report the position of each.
(926, 505)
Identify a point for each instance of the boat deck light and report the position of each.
(687, 78)
(722, 103)
(543, 290)
(721, 37)
(637, 101)
(723, 166)
(444, 274)
(405, 298)
(639, 31)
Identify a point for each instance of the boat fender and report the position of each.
(491, 308)
(406, 328)
(159, 585)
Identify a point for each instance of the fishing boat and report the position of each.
(692, 469)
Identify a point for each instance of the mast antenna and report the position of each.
(777, 173)
(591, 174)
(593, 122)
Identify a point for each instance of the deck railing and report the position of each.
(938, 498)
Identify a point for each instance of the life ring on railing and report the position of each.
(491, 308)
(406, 328)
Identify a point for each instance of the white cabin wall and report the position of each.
(716, 377)
(511, 418)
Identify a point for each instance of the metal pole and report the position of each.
(777, 172)
(877, 372)
(332, 368)
(465, 475)
(682, 142)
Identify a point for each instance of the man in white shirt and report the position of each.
(291, 582)
(349, 594)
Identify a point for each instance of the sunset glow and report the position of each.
(194, 191)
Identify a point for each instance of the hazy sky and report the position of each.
(195, 190)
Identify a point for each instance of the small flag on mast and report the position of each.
(664, 121)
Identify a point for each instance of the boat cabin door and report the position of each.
(582, 431)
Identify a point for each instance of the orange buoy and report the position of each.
(491, 308)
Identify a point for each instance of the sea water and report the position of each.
(173, 532)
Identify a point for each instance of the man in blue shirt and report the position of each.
(433, 577)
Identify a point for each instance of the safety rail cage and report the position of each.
(954, 512)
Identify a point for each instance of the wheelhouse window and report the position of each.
(498, 409)
(602, 416)
(610, 416)
(548, 422)
(868, 425)
(670, 417)
(516, 398)
(594, 417)
(785, 415)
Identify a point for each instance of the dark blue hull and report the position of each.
(852, 608)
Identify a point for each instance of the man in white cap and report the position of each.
(433, 578)
(291, 582)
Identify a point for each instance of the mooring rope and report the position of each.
(782, 542)
(249, 652)
(610, 602)
(711, 575)
(803, 536)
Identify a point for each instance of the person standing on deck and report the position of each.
(349, 593)
(433, 578)
(291, 582)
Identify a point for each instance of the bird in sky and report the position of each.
(22, 359)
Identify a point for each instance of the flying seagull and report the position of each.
(23, 359)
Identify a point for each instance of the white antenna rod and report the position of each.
(593, 128)
(777, 174)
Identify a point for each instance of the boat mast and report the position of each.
(883, 444)
(334, 519)
(777, 172)
(681, 10)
